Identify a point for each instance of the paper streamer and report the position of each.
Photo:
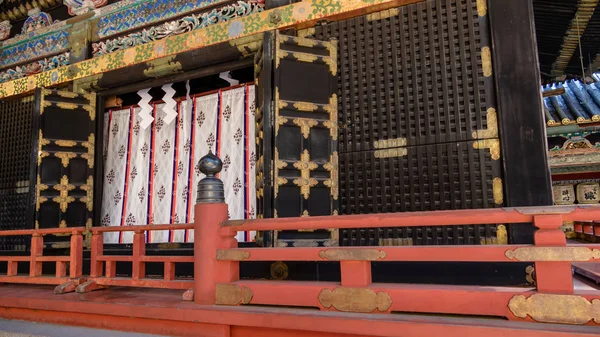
(170, 107)
(146, 109)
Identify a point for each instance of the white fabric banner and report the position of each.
(151, 175)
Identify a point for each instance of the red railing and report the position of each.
(103, 267)
(587, 231)
(217, 260)
(36, 258)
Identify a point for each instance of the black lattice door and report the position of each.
(65, 160)
(297, 133)
(16, 170)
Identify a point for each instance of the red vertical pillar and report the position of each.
(552, 277)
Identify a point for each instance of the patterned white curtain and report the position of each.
(151, 175)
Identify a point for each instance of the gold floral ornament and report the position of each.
(305, 182)
(64, 188)
(305, 124)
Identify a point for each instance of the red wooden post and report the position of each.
(210, 213)
(207, 271)
(61, 269)
(552, 277)
(356, 273)
(76, 252)
(12, 268)
(97, 248)
(37, 248)
(169, 271)
(139, 250)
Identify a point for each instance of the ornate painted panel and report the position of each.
(39, 46)
(298, 136)
(65, 163)
(140, 13)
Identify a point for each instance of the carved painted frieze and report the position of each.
(141, 13)
(35, 67)
(180, 26)
(78, 7)
(30, 49)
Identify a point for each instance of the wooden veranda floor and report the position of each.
(163, 312)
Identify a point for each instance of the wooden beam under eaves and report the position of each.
(585, 9)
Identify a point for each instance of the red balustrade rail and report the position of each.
(587, 231)
(552, 300)
(36, 258)
(101, 277)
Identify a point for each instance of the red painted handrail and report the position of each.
(414, 219)
(100, 277)
(220, 282)
(36, 257)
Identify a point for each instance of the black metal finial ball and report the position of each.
(210, 189)
(210, 164)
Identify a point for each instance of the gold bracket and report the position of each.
(492, 144)
(352, 254)
(388, 13)
(162, 67)
(355, 300)
(232, 294)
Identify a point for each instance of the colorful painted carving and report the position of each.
(290, 15)
(5, 27)
(78, 7)
(34, 48)
(35, 67)
(36, 20)
(142, 13)
(183, 25)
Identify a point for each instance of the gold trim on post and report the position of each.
(391, 153)
(65, 143)
(64, 94)
(89, 145)
(553, 254)
(352, 254)
(305, 124)
(486, 61)
(332, 182)
(67, 106)
(388, 13)
(331, 124)
(388, 143)
(550, 308)
(65, 157)
(501, 235)
(232, 255)
(89, 189)
(39, 199)
(232, 294)
(498, 191)
(482, 7)
(492, 126)
(355, 300)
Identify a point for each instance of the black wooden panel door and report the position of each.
(298, 170)
(65, 160)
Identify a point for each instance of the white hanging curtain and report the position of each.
(151, 174)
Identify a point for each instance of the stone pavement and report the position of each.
(11, 328)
